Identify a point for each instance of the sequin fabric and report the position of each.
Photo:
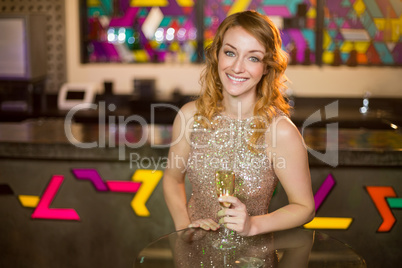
(224, 145)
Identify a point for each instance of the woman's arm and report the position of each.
(290, 162)
(174, 176)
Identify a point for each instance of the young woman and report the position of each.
(240, 122)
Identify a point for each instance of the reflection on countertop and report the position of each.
(55, 137)
(59, 131)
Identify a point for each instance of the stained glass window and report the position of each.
(140, 31)
(295, 19)
(363, 32)
(350, 32)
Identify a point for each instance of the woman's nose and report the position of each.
(238, 66)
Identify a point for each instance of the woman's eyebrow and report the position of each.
(227, 44)
(251, 51)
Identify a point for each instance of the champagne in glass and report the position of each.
(225, 180)
(225, 186)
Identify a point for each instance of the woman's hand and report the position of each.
(206, 224)
(236, 217)
(192, 234)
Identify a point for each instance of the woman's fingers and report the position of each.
(236, 217)
(206, 224)
(234, 201)
(209, 225)
(228, 199)
(229, 216)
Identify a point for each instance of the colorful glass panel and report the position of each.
(356, 32)
(141, 31)
(295, 18)
(363, 32)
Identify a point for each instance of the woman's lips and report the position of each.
(236, 79)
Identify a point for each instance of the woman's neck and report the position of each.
(239, 108)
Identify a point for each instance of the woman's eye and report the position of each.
(254, 59)
(229, 53)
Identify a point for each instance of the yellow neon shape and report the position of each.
(185, 3)
(149, 3)
(239, 5)
(150, 180)
(29, 201)
(329, 223)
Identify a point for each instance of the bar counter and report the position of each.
(109, 179)
(291, 248)
(48, 138)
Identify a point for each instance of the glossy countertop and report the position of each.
(64, 139)
(285, 249)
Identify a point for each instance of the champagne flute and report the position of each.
(225, 186)
(224, 180)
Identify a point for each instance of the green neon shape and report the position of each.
(394, 202)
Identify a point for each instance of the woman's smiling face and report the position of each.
(240, 63)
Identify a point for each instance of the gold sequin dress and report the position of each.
(224, 144)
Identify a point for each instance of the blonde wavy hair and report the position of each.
(270, 100)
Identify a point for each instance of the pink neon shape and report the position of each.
(123, 186)
(91, 175)
(323, 191)
(43, 211)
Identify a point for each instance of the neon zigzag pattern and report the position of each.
(150, 180)
(384, 198)
(43, 211)
(143, 184)
(327, 222)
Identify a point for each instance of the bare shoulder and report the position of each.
(284, 126)
(284, 132)
(188, 110)
(184, 117)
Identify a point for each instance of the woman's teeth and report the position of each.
(237, 79)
